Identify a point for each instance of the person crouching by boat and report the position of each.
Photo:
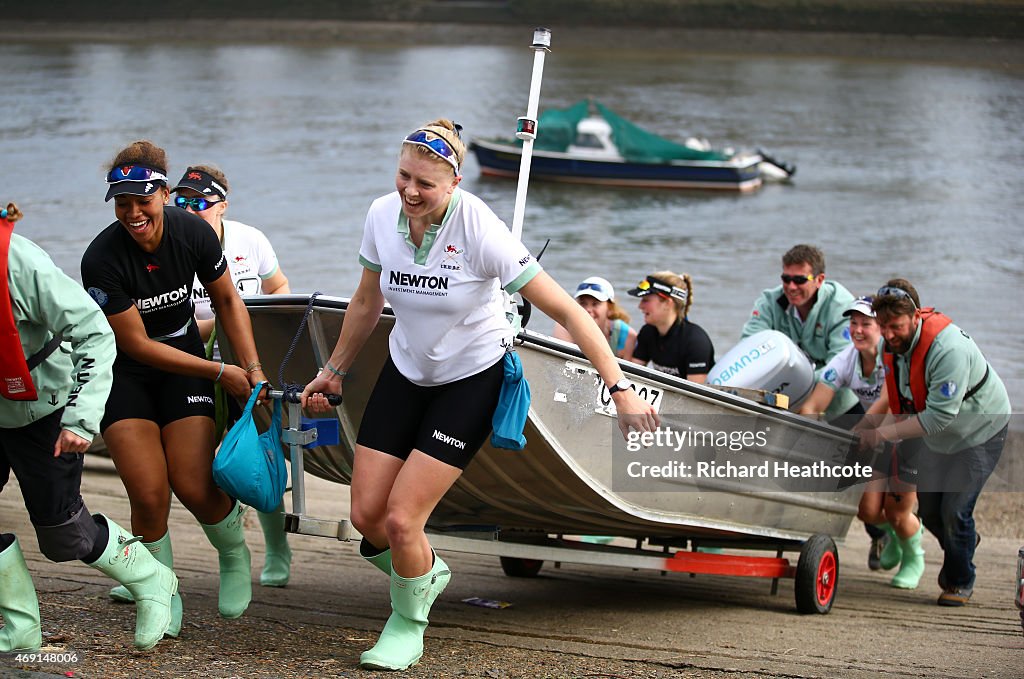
(669, 341)
(597, 296)
(50, 411)
(254, 269)
(888, 500)
(159, 425)
(945, 395)
(440, 257)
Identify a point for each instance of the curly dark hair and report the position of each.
(141, 152)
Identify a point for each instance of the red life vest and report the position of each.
(15, 376)
(932, 323)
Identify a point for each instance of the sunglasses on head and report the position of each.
(134, 173)
(797, 280)
(436, 144)
(890, 291)
(197, 204)
(589, 286)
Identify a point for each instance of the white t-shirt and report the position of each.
(844, 370)
(251, 260)
(449, 311)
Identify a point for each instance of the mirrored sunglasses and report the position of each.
(435, 144)
(197, 204)
(134, 173)
(889, 291)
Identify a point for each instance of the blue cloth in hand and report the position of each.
(250, 467)
(513, 406)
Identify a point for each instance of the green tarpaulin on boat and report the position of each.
(640, 146)
(556, 130)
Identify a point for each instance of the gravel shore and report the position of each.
(572, 621)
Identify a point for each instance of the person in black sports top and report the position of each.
(159, 423)
(669, 341)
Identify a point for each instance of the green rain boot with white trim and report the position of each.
(892, 555)
(381, 560)
(277, 563)
(235, 562)
(161, 549)
(401, 642)
(152, 584)
(19, 605)
(912, 564)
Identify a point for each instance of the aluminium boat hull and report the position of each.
(565, 480)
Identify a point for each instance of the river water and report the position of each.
(910, 169)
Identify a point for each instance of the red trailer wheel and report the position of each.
(817, 575)
(520, 568)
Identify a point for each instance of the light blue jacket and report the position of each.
(824, 333)
(78, 375)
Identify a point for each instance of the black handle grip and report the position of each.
(294, 395)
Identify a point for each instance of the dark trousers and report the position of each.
(50, 486)
(948, 513)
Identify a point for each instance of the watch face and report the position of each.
(621, 385)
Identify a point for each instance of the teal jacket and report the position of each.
(78, 375)
(824, 333)
(953, 366)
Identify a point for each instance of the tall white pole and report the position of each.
(527, 126)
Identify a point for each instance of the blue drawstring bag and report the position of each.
(513, 406)
(250, 466)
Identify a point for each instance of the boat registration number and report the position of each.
(605, 406)
(647, 392)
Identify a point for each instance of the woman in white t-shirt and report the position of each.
(440, 257)
(887, 502)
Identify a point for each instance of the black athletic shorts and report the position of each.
(448, 422)
(900, 460)
(147, 393)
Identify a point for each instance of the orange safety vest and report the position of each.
(15, 375)
(932, 323)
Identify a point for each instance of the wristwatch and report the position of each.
(621, 385)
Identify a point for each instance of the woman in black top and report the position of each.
(158, 424)
(669, 341)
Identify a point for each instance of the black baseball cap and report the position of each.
(200, 181)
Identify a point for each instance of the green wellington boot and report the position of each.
(893, 552)
(912, 564)
(152, 584)
(380, 560)
(18, 603)
(401, 642)
(161, 549)
(235, 562)
(277, 564)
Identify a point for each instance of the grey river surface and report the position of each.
(910, 169)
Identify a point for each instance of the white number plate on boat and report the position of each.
(647, 392)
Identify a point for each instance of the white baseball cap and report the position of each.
(861, 305)
(596, 287)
